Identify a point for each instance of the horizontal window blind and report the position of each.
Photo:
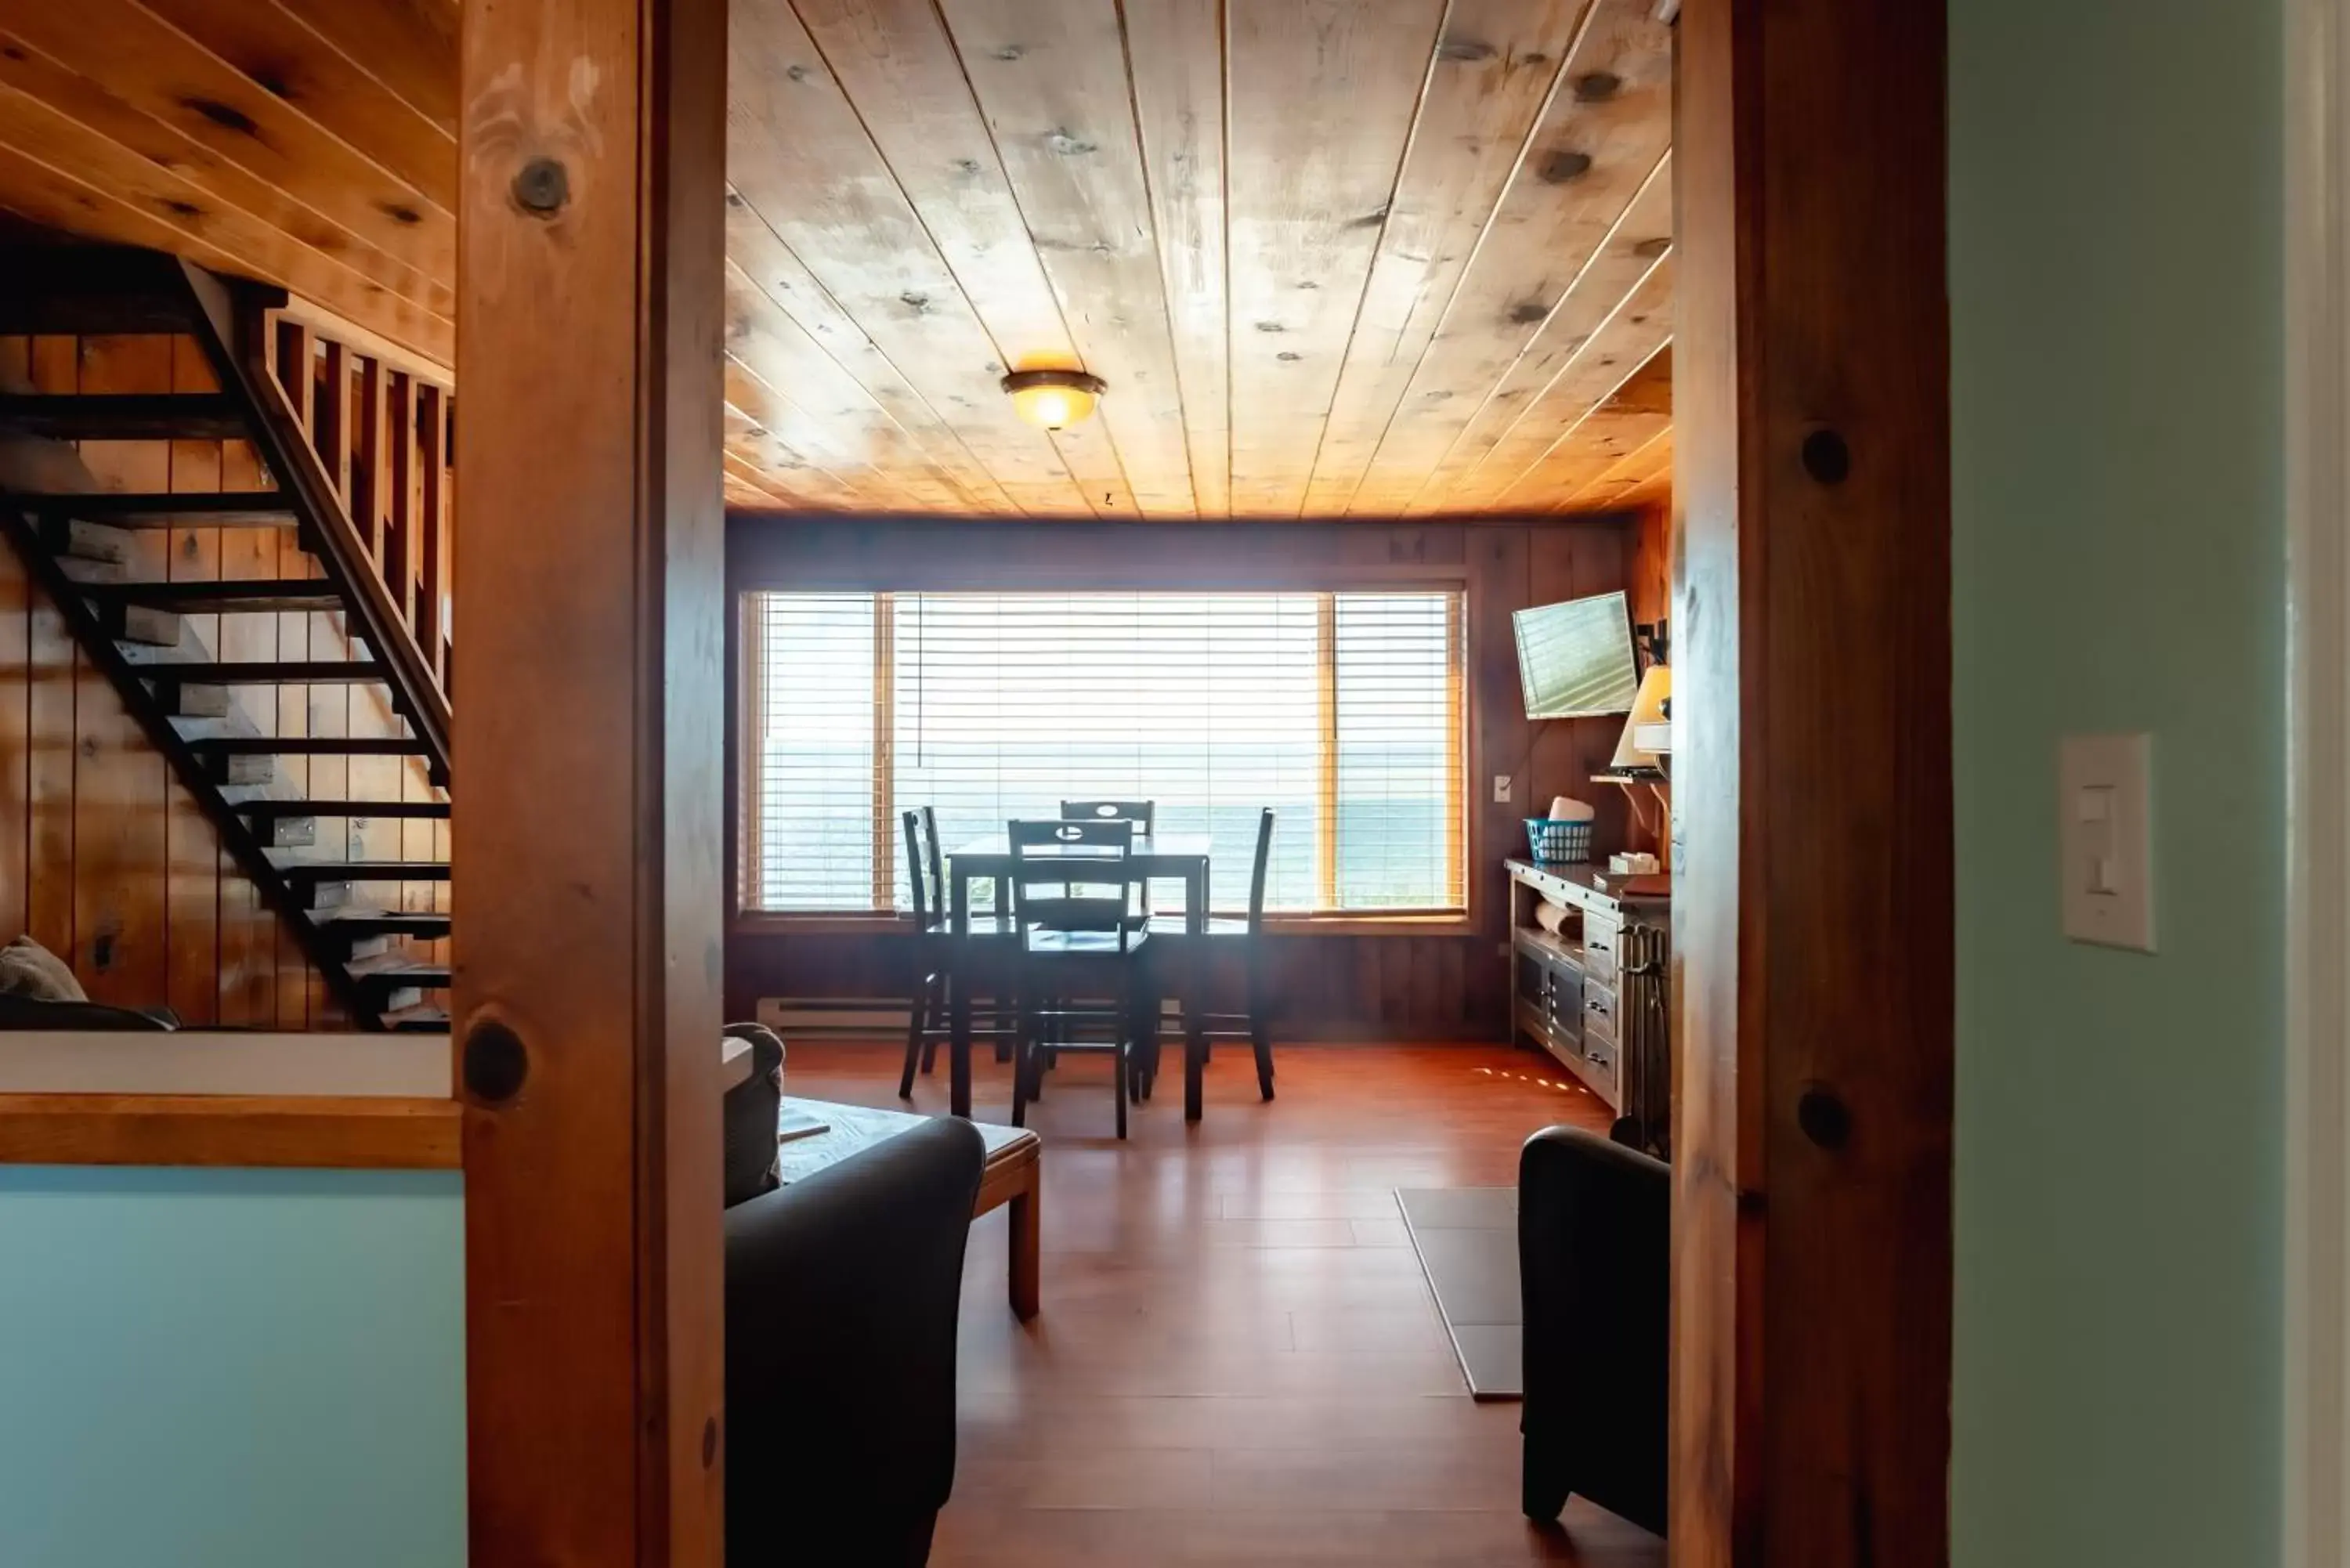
(1340, 710)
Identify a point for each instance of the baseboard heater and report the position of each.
(862, 1017)
(836, 1017)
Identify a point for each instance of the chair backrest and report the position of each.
(1257, 870)
(918, 872)
(936, 861)
(1073, 875)
(1142, 813)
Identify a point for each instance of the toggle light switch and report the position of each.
(2106, 825)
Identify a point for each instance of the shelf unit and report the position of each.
(1592, 994)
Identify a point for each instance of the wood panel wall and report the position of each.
(1439, 985)
(104, 858)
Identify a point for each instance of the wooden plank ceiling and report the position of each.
(1367, 259)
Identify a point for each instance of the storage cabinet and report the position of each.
(1591, 994)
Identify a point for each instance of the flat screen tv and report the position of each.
(1575, 658)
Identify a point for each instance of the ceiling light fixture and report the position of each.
(1054, 399)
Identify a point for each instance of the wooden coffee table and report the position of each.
(1012, 1175)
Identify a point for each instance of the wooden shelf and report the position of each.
(1547, 944)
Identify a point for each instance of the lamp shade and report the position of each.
(1647, 733)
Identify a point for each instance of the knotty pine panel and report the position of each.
(104, 859)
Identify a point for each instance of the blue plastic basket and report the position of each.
(1555, 841)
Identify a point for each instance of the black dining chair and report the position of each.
(1080, 981)
(1143, 814)
(930, 1020)
(1247, 936)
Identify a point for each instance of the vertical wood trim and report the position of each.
(748, 741)
(1326, 798)
(432, 541)
(2317, 1438)
(595, 1323)
(400, 520)
(1813, 940)
(885, 761)
(1456, 754)
(333, 417)
(297, 376)
(371, 490)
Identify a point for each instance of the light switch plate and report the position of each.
(2105, 837)
(1501, 789)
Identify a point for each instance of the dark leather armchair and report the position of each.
(842, 1291)
(1595, 1246)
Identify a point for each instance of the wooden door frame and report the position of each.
(1814, 926)
(588, 777)
(2316, 1445)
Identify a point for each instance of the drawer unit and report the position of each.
(1590, 995)
(1599, 1008)
(1603, 940)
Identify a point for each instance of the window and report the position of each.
(1341, 711)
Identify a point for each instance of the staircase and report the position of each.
(148, 635)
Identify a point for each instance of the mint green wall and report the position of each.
(231, 1369)
(2117, 370)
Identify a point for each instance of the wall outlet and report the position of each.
(1501, 789)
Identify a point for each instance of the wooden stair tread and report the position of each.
(265, 672)
(376, 808)
(310, 745)
(360, 923)
(402, 971)
(124, 416)
(364, 871)
(128, 509)
(226, 597)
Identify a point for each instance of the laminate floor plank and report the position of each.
(1239, 1361)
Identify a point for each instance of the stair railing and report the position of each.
(396, 575)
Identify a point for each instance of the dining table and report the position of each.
(1168, 856)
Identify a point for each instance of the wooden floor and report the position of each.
(1238, 1360)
